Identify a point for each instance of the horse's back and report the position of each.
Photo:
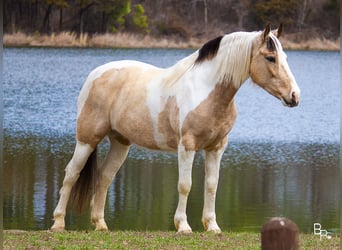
(99, 71)
(113, 98)
(118, 65)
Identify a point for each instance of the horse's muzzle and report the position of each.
(293, 101)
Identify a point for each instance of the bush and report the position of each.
(139, 18)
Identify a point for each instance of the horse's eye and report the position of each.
(271, 59)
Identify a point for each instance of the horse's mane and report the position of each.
(231, 56)
(208, 50)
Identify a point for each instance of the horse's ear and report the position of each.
(279, 30)
(266, 31)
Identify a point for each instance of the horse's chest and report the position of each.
(201, 126)
(207, 127)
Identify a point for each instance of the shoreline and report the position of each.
(130, 40)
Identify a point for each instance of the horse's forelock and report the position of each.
(270, 44)
(273, 39)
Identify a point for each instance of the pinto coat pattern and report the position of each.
(185, 108)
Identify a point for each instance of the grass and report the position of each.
(148, 240)
(129, 40)
(118, 40)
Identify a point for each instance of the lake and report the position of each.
(279, 162)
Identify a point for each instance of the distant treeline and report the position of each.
(183, 18)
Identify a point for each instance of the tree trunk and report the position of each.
(205, 14)
(104, 22)
(46, 22)
(81, 22)
(60, 19)
(302, 15)
(13, 20)
(82, 11)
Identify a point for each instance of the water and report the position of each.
(280, 161)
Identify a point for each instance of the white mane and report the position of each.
(233, 58)
(230, 65)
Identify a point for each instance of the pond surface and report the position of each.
(280, 161)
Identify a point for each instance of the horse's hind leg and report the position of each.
(112, 163)
(72, 172)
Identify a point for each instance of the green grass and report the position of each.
(148, 240)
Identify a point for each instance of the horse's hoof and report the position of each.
(100, 225)
(211, 226)
(57, 229)
(184, 232)
(215, 231)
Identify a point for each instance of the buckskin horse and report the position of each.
(185, 108)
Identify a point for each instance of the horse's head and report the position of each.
(269, 68)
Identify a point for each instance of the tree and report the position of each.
(277, 11)
(61, 5)
(114, 12)
(139, 18)
(84, 5)
(241, 8)
(49, 6)
(183, 18)
(46, 21)
(303, 11)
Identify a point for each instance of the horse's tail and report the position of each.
(83, 190)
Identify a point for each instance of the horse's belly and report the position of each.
(141, 127)
(142, 134)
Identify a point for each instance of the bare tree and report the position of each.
(302, 13)
(241, 7)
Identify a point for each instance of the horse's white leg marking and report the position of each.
(72, 172)
(114, 159)
(212, 169)
(185, 160)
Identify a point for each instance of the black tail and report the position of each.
(84, 188)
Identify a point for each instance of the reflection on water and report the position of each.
(280, 161)
(256, 182)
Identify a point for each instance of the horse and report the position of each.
(185, 108)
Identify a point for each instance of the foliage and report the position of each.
(332, 5)
(277, 11)
(165, 17)
(58, 3)
(117, 10)
(332, 9)
(139, 18)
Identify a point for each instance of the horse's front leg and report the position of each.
(212, 169)
(185, 160)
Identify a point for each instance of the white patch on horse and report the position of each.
(156, 101)
(189, 90)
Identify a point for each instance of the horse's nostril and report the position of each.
(294, 97)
